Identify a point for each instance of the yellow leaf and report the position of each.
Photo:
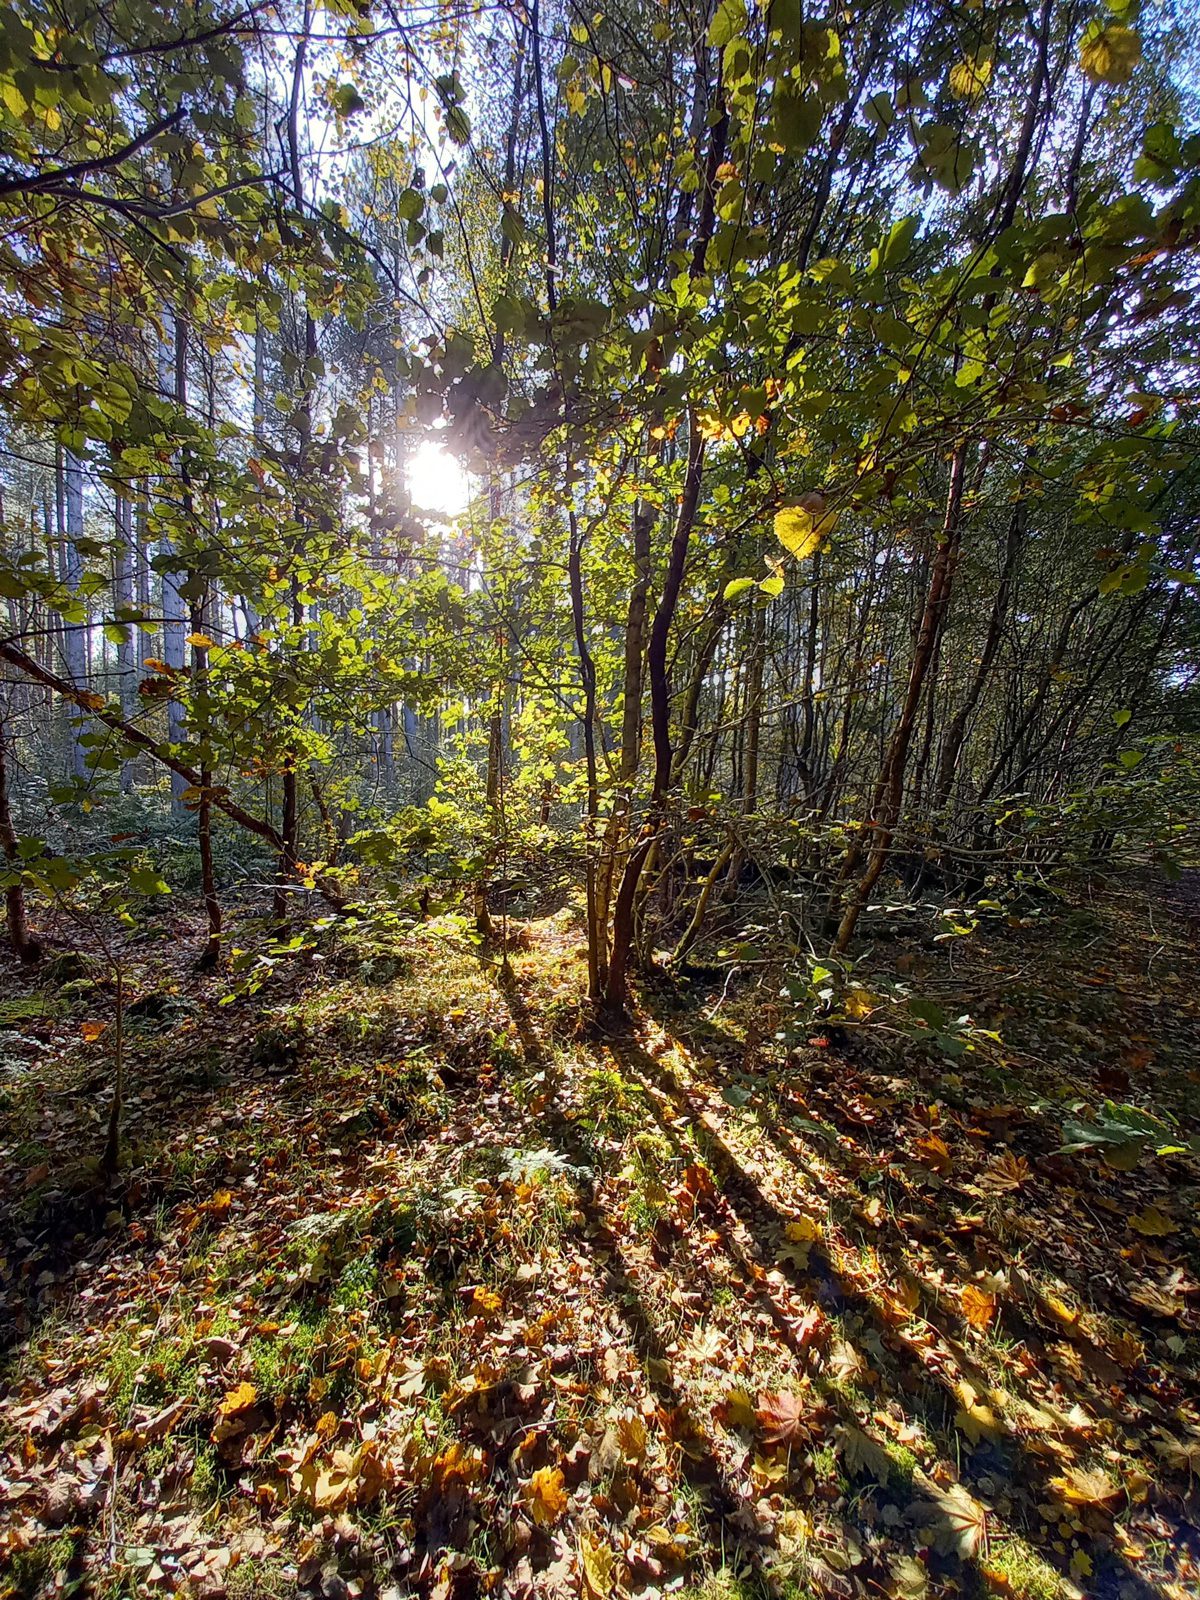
(1086, 1486)
(91, 1031)
(631, 1431)
(486, 1301)
(975, 1419)
(935, 1153)
(802, 529)
(546, 1496)
(1110, 55)
(199, 641)
(237, 1401)
(598, 1563)
(978, 1307)
(859, 1003)
(1153, 1223)
(737, 1409)
(802, 1230)
(970, 77)
(1081, 1564)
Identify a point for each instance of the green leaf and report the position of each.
(737, 586)
(1109, 55)
(727, 24)
(899, 241)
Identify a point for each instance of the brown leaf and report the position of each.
(781, 1417)
(953, 1519)
(1005, 1173)
(864, 1455)
(935, 1153)
(1153, 1223)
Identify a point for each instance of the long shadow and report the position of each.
(762, 1220)
(722, 1509)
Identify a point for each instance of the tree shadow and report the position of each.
(936, 1363)
(723, 1512)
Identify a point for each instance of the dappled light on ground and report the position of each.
(419, 1288)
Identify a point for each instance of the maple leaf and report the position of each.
(954, 1520)
(486, 1301)
(979, 1307)
(597, 1562)
(864, 1455)
(975, 1419)
(546, 1496)
(800, 1236)
(1086, 1486)
(232, 1411)
(781, 1418)
(736, 1410)
(1153, 1223)
(1181, 1454)
(935, 1153)
(1007, 1172)
(91, 1031)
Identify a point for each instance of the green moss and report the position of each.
(1026, 1573)
(904, 1465)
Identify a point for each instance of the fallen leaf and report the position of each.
(1153, 1223)
(978, 1307)
(864, 1455)
(1007, 1172)
(597, 1562)
(781, 1418)
(736, 1410)
(546, 1496)
(1086, 1486)
(935, 1153)
(237, 1401)
(953, 1519)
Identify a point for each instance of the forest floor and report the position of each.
(410, 1287)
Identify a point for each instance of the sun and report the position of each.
(437, 481)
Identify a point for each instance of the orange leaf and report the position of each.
(546, 1495)
(979, 1307)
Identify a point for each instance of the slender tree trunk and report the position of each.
(957, 732)
(75, 638)
(123, 599)
(111, 1159)
(25, 946)
(889, 789)
(175, 608)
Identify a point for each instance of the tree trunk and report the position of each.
(889, 789)
(25, 946)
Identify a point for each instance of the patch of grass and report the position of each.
(34, 1568)
(904, 1465)
(611, 1104)
(1024, 1571)
(284, 1369)
(255, 1578)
